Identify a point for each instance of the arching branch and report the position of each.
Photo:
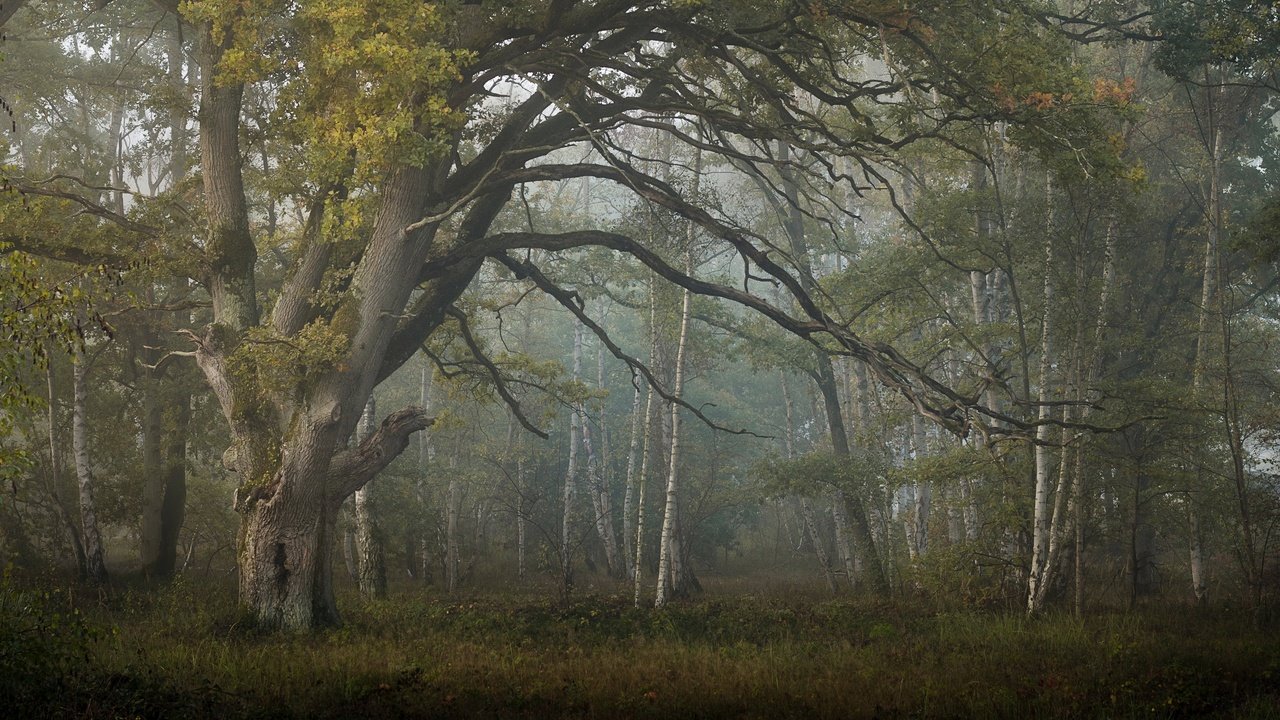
(499, 383)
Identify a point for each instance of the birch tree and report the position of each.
(90, 533)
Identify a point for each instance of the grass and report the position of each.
(183, 652)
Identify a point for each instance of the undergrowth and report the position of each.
(187, 652)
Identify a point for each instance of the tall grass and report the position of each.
(186, 652)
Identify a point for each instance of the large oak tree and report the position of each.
(400, 132)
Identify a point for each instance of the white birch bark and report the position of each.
(1040, 521)
(570, 476)
(666, 551)
(370, 556)
(421, 491)
(453, 508)
(1088, 378)
(1209, 292)
(70, 526)
(628, 498)
(642, 478)
(91, 535)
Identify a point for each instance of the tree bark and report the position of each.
(597, 469)
(667, 553)
(922, 497)
(69, 525)
(642, 478)
(370, 553)
(570, 478)
(629, 494)
(1038, 577)
(452, 511)
(826, 381)
(95, 564)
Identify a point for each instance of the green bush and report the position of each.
(44, 644)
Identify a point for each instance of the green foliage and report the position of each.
(269, 363)
(44, 645)
(361, 80)
(818, 472)
(1238, 32)
(38, 315)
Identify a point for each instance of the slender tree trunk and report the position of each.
(922, 497)
(91, 535)
(597, 467)
(521, 520)
(1208, 291)
(570, 477)
(71, 527)
(421, 489)
(174, 505)
(666, 551)
(642, 480)
(153, 465)
(628, 498)
(641, 484)
(453, 508)
(1038, 577)
(826, 380)
(371, 555)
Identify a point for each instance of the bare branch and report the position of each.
(499, 383)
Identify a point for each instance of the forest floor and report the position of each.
(183, 652)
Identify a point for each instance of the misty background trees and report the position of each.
(974, 302)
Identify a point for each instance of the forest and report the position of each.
(672, 358)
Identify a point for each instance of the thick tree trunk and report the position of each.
(95, 564)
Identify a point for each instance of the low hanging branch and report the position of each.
(526, 269)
